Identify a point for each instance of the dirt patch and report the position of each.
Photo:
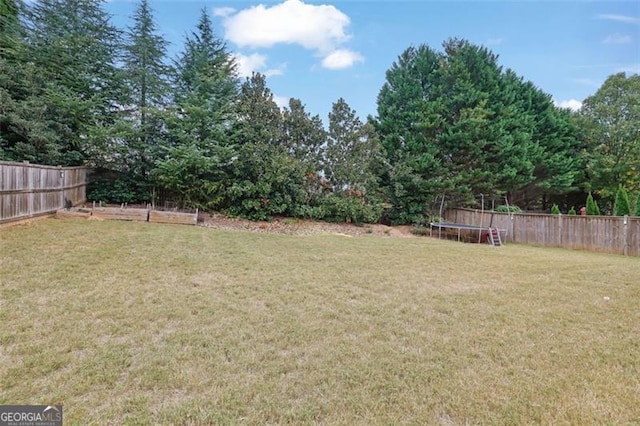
(303, 227)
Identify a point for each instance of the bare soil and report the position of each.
(291, 226)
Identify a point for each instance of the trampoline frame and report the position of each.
(460, 227)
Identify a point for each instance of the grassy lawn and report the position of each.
(135, 323)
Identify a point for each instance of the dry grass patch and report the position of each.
(135, 323)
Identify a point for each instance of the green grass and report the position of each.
(135, 323)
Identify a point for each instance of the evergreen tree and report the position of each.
(26, 130)
(622, 205)
(200, 149)
(592, 208)
(408, 121)
(572, 211)
(266, 180)
(555, 209)
(552, 144)
(304, 135)
(12, 79)
(353, 151)
(206, 89)
(454, 123)
(74, 49)
(638, 205)
(9, 26)
(259, 119)
(148, 88)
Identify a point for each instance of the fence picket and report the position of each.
(28, 190)
(608, 234)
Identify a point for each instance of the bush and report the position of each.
(111, 186)
(555, 209)
(592, 208)
(622, 206)
(345, 208)
(638, 206)
(508, 209)
(572, 211)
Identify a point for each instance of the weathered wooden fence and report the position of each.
(28, 190)
(608, 234)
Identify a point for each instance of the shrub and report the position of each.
(555, 209)
(508, 209)
(638, 206)
(592, 208)
(572, 211)
(622, 206)
(420, 230)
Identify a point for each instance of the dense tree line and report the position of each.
(75, 90)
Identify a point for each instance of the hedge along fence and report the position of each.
(607, 234)
(28, 190)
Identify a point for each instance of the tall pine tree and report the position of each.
(75, 49)
(149, 92)
(196, 162)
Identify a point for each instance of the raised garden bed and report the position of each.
(129, 214)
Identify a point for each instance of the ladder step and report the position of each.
(493, 235)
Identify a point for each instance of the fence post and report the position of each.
(61, 190)
(560, 230)
(26, 170)
(625, 233)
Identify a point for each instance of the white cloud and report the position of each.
(275, 71)
(630, 69)
(620, 18)
(589, 82)
(223, 11)
(281, 101)
(617, 39)
(255, 62)
(341, 58)
(249, 63)
(572, 104)
(494, 41)
(320, 28)
(317, 27)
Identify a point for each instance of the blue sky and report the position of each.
(319, 51)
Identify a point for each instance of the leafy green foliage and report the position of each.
(109, 186)
(303, 135)
(206, 90)
(147, 87)
(508, 209)
(572, 211)
(637, 212)
(592, 208)
(266, 180)
(555, 209)
(612, 131)
(74, 49)
(192, 175)
(353, 154)
(454, 123)
(622, 205)
(197, 158)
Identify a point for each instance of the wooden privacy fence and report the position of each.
(28, 190)
(608, 234)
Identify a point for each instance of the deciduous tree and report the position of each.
(613, 135)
